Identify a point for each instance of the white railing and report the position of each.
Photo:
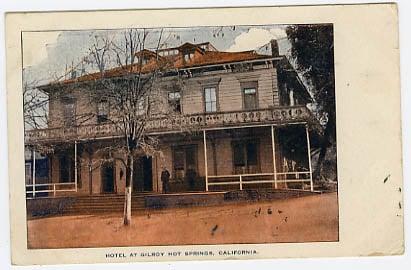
(245, 179)
(47, 188)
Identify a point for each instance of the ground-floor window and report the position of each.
(184, 161)
(245, 156)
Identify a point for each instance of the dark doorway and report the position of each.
(107, 178)
(143, 174)
(66, 167)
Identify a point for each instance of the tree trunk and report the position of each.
(320, 161)
(325, 144)
(128, 190)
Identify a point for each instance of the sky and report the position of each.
(47, 54)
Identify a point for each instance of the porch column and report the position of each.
(309, 157)
(205, 159)
(274, 163)
(33, 171)
(75, 165)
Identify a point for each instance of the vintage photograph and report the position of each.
(180, 136)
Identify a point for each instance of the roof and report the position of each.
(200, 58)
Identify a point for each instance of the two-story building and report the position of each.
(249, 112)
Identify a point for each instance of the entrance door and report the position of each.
(107, 177)
(143, 174)
(148, 174)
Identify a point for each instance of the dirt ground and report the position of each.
(306, 219)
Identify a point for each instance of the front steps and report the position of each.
(103, 204)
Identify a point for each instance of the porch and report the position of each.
(213, 160)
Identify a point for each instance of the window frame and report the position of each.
(249, 85)
(169, 101)
(217, 103)
(142, 106)
(184, 150)
(243, 144)
(101, 120)
(69, 120)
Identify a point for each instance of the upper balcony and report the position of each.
(274, 116)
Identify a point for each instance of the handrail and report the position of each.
(50, 184)
(239, 179)
(54, 190)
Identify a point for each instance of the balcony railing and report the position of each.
(278, 115)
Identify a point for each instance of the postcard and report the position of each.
(204, 134)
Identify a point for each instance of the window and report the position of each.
(174, 101)
(69, 111)
(210, 99)
(102, 111)
(184, 159)
(178, 163)
(144, 60)
(188, 56)
(245, 157)
(249, 95)
(141, 107)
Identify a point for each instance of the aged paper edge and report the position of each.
(367, 96)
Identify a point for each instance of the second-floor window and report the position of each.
(174, 101)
(249, 90)
(141, 107)
(210, 99)
(69, 111)
(102, 111)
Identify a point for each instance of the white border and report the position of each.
(398, 262)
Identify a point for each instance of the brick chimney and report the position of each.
(274, 48)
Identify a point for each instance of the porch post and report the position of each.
(309, 157)
(33, 171)
(75, 165)
(274, 163)
(205, 159)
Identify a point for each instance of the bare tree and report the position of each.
(35, 106)
(129, 90)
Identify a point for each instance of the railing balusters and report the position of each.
(220, 119)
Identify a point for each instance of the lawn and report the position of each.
(305, 219)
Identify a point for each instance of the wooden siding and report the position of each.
(229, 96)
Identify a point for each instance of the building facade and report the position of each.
(245, 117)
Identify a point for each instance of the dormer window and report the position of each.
(144, 60)
(188, 56)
